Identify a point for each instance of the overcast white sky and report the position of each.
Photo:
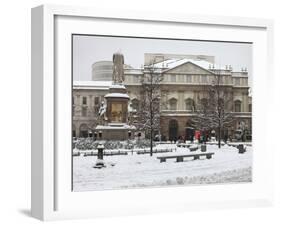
(90, 49)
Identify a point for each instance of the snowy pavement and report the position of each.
(135, 171)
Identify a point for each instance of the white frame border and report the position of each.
(43, 87)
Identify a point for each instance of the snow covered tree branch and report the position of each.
(215, 111)
(149, 113)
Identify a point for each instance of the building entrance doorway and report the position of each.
(84, 131)
(189, 133)
(173, 130)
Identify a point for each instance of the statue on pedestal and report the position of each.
(118, 70)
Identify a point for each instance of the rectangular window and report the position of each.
(237, 81)
(173, 78)
(181, 78)
(136, 79)
(204, 79)
(188, 78)
(97, 100)
(84, 101)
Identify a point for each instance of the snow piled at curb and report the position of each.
(231, 176)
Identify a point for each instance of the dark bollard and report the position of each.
(203, 148)
(241, 148)
(100, 163)
(180, 159)
(100, 151)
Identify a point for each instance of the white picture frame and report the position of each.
(51, 195)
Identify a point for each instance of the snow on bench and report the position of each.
(94, 153)
(180, 157)
(183, 145)
(141, 152)
(193, 147)
(240, 146)
(215, 143)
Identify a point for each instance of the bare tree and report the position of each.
(149, 113)
(216, 111)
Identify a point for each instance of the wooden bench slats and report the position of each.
(181, 157)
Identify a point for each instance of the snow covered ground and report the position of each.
(135, 171)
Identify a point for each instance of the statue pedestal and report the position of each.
(116, 132)
(117, 127)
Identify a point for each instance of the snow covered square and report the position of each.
(150, 112)
(142, 170)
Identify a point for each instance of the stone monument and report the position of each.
(115, 126)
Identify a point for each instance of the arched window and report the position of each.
(73, 131)
(189, 131)
(173, 130)
(135, 104)
(173, 104)
(84, 130)
(189, 104)
(237, 106)
(203, 103)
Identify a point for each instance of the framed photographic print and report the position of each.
(134, 113)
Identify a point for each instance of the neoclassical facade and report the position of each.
(185, 80)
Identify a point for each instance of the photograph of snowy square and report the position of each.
(151, 112)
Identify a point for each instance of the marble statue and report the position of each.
(118, 70)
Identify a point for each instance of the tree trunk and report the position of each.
(151, 143)
(151, 121)
(219, 136)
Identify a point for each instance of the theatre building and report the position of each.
(185, 78)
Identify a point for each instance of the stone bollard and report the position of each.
(241, 148)
(100, 163)
(100, 151)
(203, 148)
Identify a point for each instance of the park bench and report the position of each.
(193, 148)
(141, 152)
(76, 154)
(106, 153)
(179, 158)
